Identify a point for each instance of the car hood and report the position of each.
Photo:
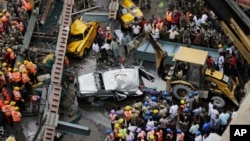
(87, 83)
(126, 79)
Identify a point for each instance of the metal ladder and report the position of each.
(57, 71)
(113, 7)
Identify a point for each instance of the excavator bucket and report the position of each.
(160, 54)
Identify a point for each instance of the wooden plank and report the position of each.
(46, 11)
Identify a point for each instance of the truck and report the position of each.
(209, 83)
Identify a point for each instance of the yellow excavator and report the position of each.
(197, 78)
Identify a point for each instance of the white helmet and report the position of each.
(107, 28)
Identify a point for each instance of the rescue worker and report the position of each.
(116, 131)
(190, 101)
(10, 56)
(156, 116)
(27, 6)
(154, 92)
(167, 98)
(134, 116)
(32, 68)
(16, 116)
(112, 117)
(18, 98)
(17, 77)
(6, 94)
(26, 80)
(182, 106)
(145, 107)
(152, 138)
(20, 66)
(4, 67)
(10, 75)
(153, 103)
(159, 134)
(169, 17)
(7, 112)
(180, 135)
(127, 114)
(110, 136)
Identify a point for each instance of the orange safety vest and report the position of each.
(182, 107)
(127, 115)
(180, 136)
(10, 75)
(17, 76)
(17, 95)
(25, 78)
(21, 67)
(16, 115)
(6, 94)
(26, 5)
(7, 110)
(169, 16)
(33, 68)
(159, 135)
(112, 117)
(160, 25)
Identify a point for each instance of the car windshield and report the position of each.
(74, 38)
(193, 74)
(124, 11)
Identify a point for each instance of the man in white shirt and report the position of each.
(224, 119)
(198, 136)
(147, 29)
(172, 34)
(213, 114)
(221, 62)
(136, 30)
(204, 18)
(173, 111)
(194, 127)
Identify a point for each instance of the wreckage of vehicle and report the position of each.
(117, 83)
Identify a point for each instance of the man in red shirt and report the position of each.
(232, 65)
(210, 62)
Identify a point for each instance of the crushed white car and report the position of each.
(118, 83)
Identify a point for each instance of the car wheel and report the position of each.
(218, 101)
(181, 91)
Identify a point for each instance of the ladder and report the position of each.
(113, 7)
(57, 71)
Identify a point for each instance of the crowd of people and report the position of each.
(160, 118)
(16, 78)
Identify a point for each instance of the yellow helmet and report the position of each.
(16, 88)
(12, 103)
(9, 69)
(219, 45)
(156, 111)
(4, 64)
(15, 69)
(9, 50)
(182, 101)
(1, 73)
(151, 137)
(6, 102)
(117, 125)
(127, 108)
(10, 138)
(121, 120)
(1, 14)
(24, 71)
(18, 63)
(25, 62)
(16, 108)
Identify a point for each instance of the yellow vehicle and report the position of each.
(81, 37)
(129, 13)
(189, 74)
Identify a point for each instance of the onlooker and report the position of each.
(173, 34)
(136, 30)
(224, 119)
(125, 40)
(115, 48)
